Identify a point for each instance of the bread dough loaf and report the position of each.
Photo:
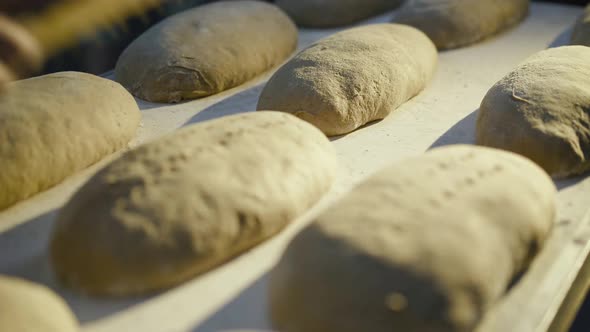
(179, 206)
(206, 50)
(542, 111)
(334, 13)
(28, 307)
(54, 125)
(427, 244)
(455, 23)
(353, 77)
(581, 32)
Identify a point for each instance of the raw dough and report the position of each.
(455, 23)
(54, 125)
(353, 77)
(581, 33)
(542, 111)
(28, 307)
(206, 50)
(334, 13)
(428, 244)
(179, 206)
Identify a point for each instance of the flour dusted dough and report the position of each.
(177, 207)
(206, 50)
(581, 33)
(28, 307)
(54, 125)
(353, 77)
(334, 13)
(542, 111)
(427, 244)
(455, 23)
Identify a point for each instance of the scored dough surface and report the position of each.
(182, 205)
(425, 245)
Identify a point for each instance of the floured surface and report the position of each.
(234, 295)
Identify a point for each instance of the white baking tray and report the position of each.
(233, 296)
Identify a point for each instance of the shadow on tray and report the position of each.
(562, 39)
(246, 311)
(568, 182)
(463, 132)
(241, 102)
(361, 128)
(25, 249)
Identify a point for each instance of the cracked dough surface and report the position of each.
(206, 50)
(353, 77)
(542, 110)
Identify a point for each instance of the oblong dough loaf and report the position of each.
(179, 206)
(581, 32)
(54, 125)
(455, 23)
(542, 111)
(427, 244)
(334, 13)
(206, 50)
(353, 77)
(28, 307)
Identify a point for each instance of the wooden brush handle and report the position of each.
(38, 35)
(20, 53)
(65, 22)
